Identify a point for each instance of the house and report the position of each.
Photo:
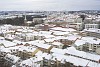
(12, 59)
(49, 40)
(62, 29)
(43, 47)
(57, 45)
(87, 44)
(7, 44)
(66, 56)
(92, 32)
(81, 54)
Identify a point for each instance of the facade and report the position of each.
(77, 26)
(88, 47)
(98, 50)
(94, 26)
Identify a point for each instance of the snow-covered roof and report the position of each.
(73, 37)
(41, 45)
(28, 49)
(2, 38)
(7, 43)
(73, 51)
(20, 30)
(29, 22)
(60, 33)
(58, 51)
(79, 42)
(39, 53)
(92, 30)
(91, 40)
(84, 40)
(91, 24)
(75, 60)
(57, 43)
(45, 32)
(63, 29)
(31, 62)
(49, 40)
(3, 49)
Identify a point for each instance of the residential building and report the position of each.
(94, 26)
(92, 32)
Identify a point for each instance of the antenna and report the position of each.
(25, 19)
(25, 16)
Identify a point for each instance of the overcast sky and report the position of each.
(50, 5)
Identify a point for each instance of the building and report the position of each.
(77, 26)
(44, 27)
(92, 32)
(37, 20)
(87, 44)
(94, 26)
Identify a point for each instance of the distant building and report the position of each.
(37, 20)
(44, 27)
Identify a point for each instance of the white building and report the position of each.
(92, 32)
(77, 26)
(87, 26)
(87, 44)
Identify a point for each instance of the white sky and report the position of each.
(49, 4)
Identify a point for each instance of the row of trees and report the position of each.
(13, 21)
(19, 20)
